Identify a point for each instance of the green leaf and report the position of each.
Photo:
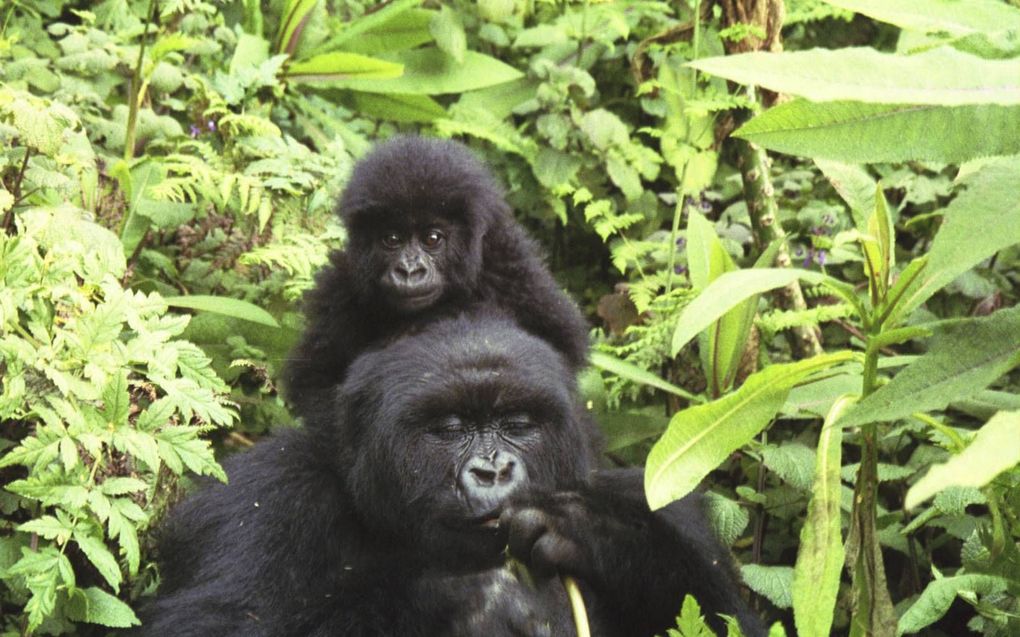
(856, 132)
(990, 201)
(392, 24)
(295, 18)
(224, 305)
(726, 292)
(771, 582)
(854, 185)
(700, 438)
(397, 107)
(879, 247)
(792, 461)
(728, 518)
(122, 485)
(938, 596)
(964, 356)
(432, 72)
(993, 450)
(635, 374)
(954, 17)
(336, 66)
(820, 557)
(48, 527)
(96, 606)
(937, 77)
(448, 31)
(101, 558)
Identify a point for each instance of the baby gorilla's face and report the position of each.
(413, 263)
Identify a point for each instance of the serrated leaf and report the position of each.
(965, 356)
(994, 449)
(391, 24)
(96, 606)
(820, 557)
(48, 527)
(937, 77)
(772, 582)
(729, 290)
(101, 558)
(122, 485)
(700, 438)
(728, 518)
(397, 107)
(224, 305)
(938, 596)
(860, 133)
(793, 462)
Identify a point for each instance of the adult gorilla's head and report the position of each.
(438, 429)
(417, 210)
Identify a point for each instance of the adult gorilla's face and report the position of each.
(445, 425)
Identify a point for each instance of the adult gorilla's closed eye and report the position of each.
(429, 234)
(392, 515)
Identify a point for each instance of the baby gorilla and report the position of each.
(429, 234)
(393, 514)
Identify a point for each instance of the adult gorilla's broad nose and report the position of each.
(486, 481)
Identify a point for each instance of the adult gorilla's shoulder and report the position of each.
(392, 515)
(429, 234)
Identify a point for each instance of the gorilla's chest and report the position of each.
(496, 603)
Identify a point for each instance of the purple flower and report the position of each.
(195, 131)
(820, 257)
(706, 205)
(681, 242)
(680, 269)
(212, 126)
(808, 258)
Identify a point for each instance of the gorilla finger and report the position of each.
(553, 554)
(524, 527)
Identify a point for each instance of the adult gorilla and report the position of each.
(429, 234)
(391, 517)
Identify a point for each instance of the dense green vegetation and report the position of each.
(802, 267)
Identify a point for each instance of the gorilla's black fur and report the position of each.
(429, 234)
(391, 514)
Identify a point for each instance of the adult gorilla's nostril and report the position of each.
(487, 481)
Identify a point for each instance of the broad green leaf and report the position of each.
(391, 20)
(625, 428)
(857, 132)
(295, 17)
(406, 30)
(448, 31)
(793, 462)
(964, 356)
(955, 17)
(635, 374)
(396, 107)
(994, 449)
(991, 201)
(101, 558)
(722, 345)
(820, 557)
(336, 66)
(938, 77)
(727, 291)
(938, 596)
(96, 606)
(432, 72)
(879, 248)
(700, 438)
(727, 517)
(224, 305)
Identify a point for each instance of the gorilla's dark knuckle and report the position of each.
(442, 430)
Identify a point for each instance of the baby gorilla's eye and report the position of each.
(392, 240)
(433, 238)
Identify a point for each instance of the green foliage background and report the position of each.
(167, 176)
